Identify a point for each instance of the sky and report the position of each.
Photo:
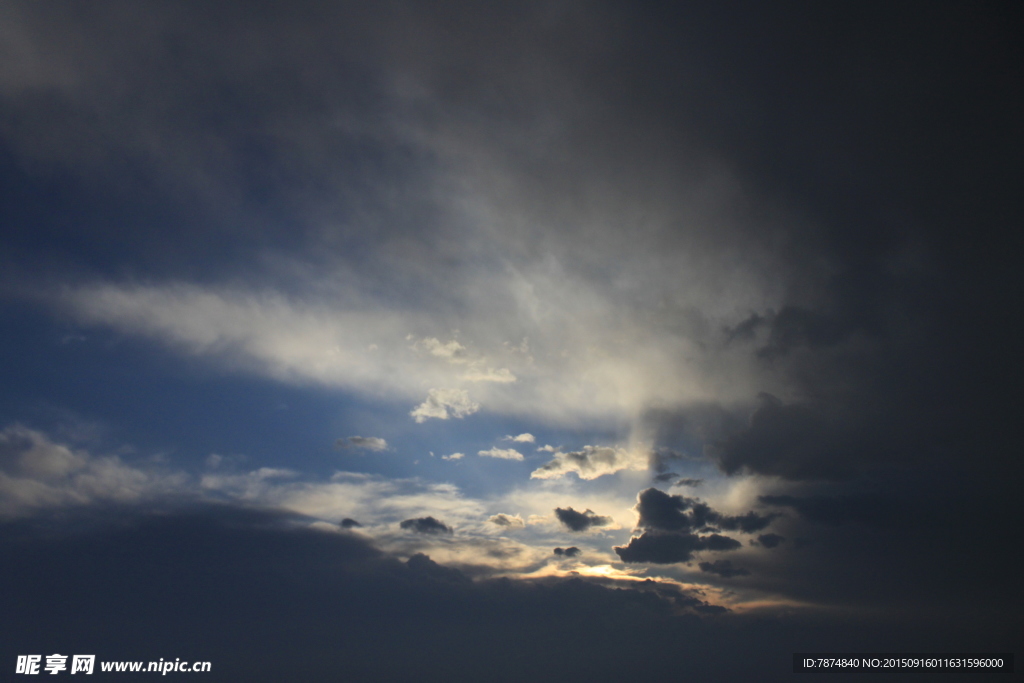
(410, 341)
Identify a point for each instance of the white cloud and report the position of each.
(579, 368)
(502, 376)
(369, 443)
(522, 438)
(454, 456)
(452, 351)
(502, 453)
(592, 462)
(445, 403)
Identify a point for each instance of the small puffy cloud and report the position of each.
(591, 462)
(724, 568)
(522, 438)
(508, 521)
(368, 443)
(501, 376)
(548, 448)
(572, 551)
(580, 521)
(349, 523)
(502, 453)
(426, 525)
(454, 456)
(445, 403)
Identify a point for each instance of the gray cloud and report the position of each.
(664, 512)
(509, 521)
(580, 521)
(660, 547)
(770, 540)
(723, 568)
(38, 474)
(571, 551)
(873, 510)
(426, 525)
(369, 443)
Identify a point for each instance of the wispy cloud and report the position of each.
(369, 443)
(501, 453)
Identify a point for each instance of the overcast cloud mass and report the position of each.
(408, 341)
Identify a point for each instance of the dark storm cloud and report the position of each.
(662, 547)
(426, 525)
(580, 521)
(723, 568)
(571, 551)
(868, 509)
(349, 523)
(770, 540)
(794, 440)
(672, 524)
(664, 512)
(155, 141)
(795, 328)
(263, 598)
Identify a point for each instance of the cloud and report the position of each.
(795, 441)
(723, 568)
(660, 547)
(426, 525)
(659, 510)
(349, 523)
(501, 376)
(580, 521)
(445, 403)
(521, 438)
(591, 462)
(571, 551)
(672, 524)
(454, 456)
(215, 567)
(873, 510)
(37, 474)
(688, 482)
(770, 540)
(369, 443)
(502, 453)
(508, 521)
(452, 351)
